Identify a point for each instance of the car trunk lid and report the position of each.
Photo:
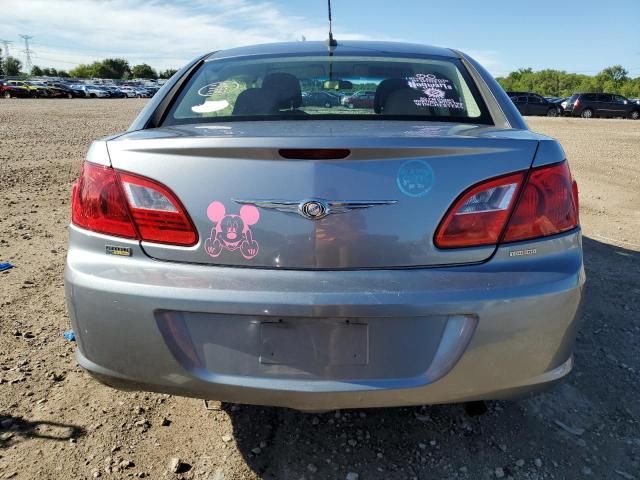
(386, 198)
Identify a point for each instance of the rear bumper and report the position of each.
(497, 330)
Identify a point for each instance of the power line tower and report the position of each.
(6, 44)
(27, 52)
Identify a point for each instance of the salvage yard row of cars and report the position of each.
(60, 89)
(585, 105)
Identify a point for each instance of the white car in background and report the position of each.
(135, 92)
(130, 92)
(143, 93)
(92, 91)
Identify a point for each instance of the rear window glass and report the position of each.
(347, 87)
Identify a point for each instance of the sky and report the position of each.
(581, 36)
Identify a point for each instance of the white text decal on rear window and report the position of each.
(437, 91)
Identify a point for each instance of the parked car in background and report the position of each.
(361, 99)
(143, 92)
(56, 92)
(529, 103)
(556, 100)
(427, 250)
(8, 90)
(68, 91)
(559, 102)
(589, 105)
(152, 89)
(114, 92)
(92, 91)
(53, 90)
(34, 90)
(129, 92)
(320, 99)
(136, 91)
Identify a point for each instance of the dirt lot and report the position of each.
(55, 422)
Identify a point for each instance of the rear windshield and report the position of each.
(347, 87)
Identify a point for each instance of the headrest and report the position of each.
(385, 88)
(253, 101)
(404, 101)
(284, 89)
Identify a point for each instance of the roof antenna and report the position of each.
(331, 42)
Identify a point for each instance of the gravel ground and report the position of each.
(55, 422)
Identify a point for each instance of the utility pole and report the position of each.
(27, 52)
(6, 44)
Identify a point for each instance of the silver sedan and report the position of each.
(236, 244)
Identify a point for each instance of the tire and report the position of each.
(92, 95)
(552, 112)
(635, 115)
(350, 105)
(587, 113)
(7, 94)
(327, 105)
(69, 95)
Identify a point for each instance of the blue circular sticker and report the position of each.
(415, 178)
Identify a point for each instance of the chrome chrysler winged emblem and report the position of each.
(315, 208)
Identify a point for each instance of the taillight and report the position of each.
(157, 213)
(127, 205)
(548, 204)
(479, 215)
(576, 104)
(98, 203)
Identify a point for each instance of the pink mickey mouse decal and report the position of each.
(232, 232)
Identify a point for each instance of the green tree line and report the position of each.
(118, 69)
(560, 83)
(36, 71)
(114, 68)
(10, 66)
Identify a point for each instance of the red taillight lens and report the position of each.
(548, 205)
(126, 205)
(157, 213)
(479, 215)
(98, 203)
